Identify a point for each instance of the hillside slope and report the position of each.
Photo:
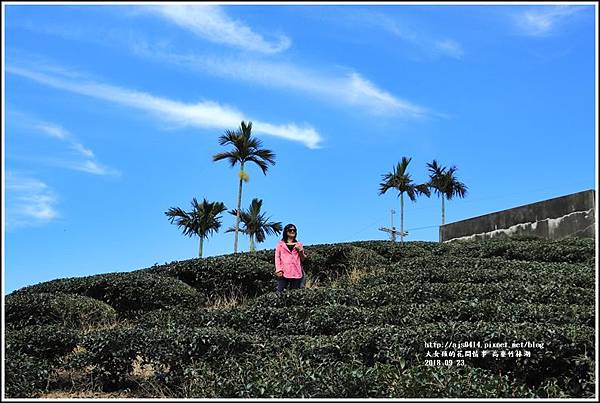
(510, 318)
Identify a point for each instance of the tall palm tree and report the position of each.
(255, 224)
(245, 149)
(400, 180)
(203, 220)
(445, 184)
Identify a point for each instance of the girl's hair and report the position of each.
(284, 237)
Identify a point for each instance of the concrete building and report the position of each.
(567, 216)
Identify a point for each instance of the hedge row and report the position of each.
(478, 270)
(123, 291)
(334, 319)
(55, 308)
(243, 274)
(112, 353)
(287, 376)
(48, 342)
(570, 250)
(393, 294)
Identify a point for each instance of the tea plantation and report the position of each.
(501, 318)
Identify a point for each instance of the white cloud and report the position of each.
(543, 20)
(89, 165)
(450, 48)
(29, 201)
(53, 131)
(403, 29)
(201, 114)
(343, 88)
(212, 23)
(93, 167)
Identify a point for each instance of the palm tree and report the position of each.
(245, 149)
(203, 220)
(255, 224)
(400, 180)
(445, 184)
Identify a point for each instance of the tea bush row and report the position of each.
(334, 319)
(243, 274)
(569, 250)
(48, 342)
(392, 294)
(477, 270)
(123, 291)
(286, 376)
(112, 353)
(70, 310)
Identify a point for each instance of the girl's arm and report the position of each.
(301, 252)
(278, 265)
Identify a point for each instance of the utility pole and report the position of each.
(393, 231)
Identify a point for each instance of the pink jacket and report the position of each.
(288, 262)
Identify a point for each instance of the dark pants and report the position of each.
(292, 283)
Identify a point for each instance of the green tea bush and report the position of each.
(25, 376)
(124, 291)
(391, 294)
(479, 270)
(47, 342)
(359, 332)
(111, 353)
(286, 375)
(573, 250)
(76, 311)
(243, 274)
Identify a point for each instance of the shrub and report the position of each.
(218, 276)
(46, 341)
(123, 291)
(573, 250)
(55, 308)
(25, 376)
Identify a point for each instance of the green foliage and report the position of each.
(123, 291)
(25, 376)
(360, 334)
(572, 250)
(217, 276)
(73, 311)
(47, 342)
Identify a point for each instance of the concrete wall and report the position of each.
(567, 216)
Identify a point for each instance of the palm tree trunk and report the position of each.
(443, 211)
(237, 218)
(200, 247)
(252, 247)
(401, 217)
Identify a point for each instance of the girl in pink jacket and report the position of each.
(289, 255)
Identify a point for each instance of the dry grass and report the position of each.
(233, 299)
(355, 275)
(85, 394)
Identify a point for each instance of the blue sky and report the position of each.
(112, 115)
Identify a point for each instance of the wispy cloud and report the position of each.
(450, 48)
(29, 201)
(545, 19)
(407, 32)
(212, 23)
(83, 160)
(206, 114)
(341, 88)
